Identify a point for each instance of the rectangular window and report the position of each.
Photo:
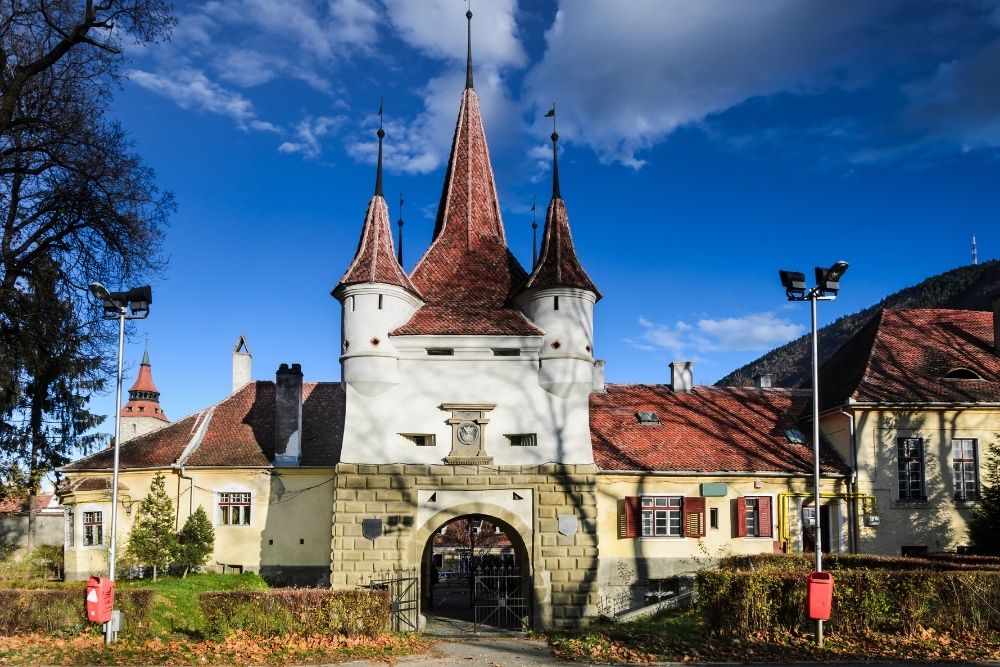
(522, 439)
(713, 517)
(234, 509)
(70, 527)
(661, 516)
(93, 529)
(420, 439)
(910, 458)
(753, 516)
(963, 457)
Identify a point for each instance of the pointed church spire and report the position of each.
(143, 396)
(375, 260)
(468, 57)
(468, 274)
(558, 265)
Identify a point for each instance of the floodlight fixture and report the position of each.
(794, 283)
(828, 280)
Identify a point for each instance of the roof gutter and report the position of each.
(721, 473)
(179, 467)
(852, 506)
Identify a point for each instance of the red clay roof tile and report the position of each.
(375, 260)
(558, 265)
(903, 356)
(710, 429)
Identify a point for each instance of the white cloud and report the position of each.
(437, 28)
(191, 89)
(753, 332)
(625, 75)
(309, 132)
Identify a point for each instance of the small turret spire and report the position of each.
(555, 154)
(468, 58)
(145, 350)
(380, 134)
(399, 223)
(534, 234)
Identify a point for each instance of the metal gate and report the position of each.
(404, 597)
(499, 600)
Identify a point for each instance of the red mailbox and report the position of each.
(100, 599)
(819, 596)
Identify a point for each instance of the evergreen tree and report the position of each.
(984, 529)
(152, 541)
(52, 371)
(196, 541)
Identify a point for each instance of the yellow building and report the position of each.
(911, 402)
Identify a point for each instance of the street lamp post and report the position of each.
(117, 306)
(826, 288)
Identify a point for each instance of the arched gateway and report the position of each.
(466, 389)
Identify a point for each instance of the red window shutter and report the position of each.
(741, 517)
(694, 517)
(764, 516)
(630, 521)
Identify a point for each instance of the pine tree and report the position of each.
(197, 540)
(152, 541)
(984, 529)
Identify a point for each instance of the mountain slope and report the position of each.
(965, 288)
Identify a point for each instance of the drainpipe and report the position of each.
(852, 487)
(180, 475)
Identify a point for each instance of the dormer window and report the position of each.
(647, 418)
(961, 374)
(795, 436)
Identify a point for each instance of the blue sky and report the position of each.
(704, 145)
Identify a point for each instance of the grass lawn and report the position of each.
(177, 630)
(682, 637)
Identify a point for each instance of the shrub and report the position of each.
(307, 611)
(769, 601)
(57, 610)
(195, 541)
(803, 563)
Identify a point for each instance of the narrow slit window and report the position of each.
(380, 302)
(440, 352)
(506, 352)
(555, 303)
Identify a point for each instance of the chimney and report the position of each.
(681, 376)
(996, 327)
(599, 387)
(762, 381)
(287, 415)
(242, 361)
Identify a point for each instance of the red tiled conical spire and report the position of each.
(144, 397)
(375, 260)
(468, 273)
(558, 265)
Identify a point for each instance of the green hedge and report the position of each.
(940, 562)
(301, 610)
(58, 610)
(765, 602)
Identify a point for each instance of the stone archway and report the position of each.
(473, 562)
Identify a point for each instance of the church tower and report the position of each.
(559, 297)
(376, 296)
(142, 414)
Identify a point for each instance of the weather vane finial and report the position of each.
(468, 58)
(399, 223)
(555, 154)
(380, 134)
(534, 234)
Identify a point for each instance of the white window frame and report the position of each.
(221, 497)
(903, 464)
(661, 516)
(964, 465)
(84, 511)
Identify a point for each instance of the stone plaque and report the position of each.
(371, 528)
(567, 524)
(468, 433)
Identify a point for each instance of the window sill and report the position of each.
(910, 504)
(966, 504)
(655, 538)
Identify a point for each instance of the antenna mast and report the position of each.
(975, 251)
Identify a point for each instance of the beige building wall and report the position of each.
(287, 539)
(627, 563)
(938, 523)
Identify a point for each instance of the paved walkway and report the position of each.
(478, 652)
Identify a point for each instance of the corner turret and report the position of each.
(142, 414)
(559, 297)
(376, 297)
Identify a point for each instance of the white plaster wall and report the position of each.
(572, 326)
(472, 375)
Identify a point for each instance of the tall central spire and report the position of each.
(468, 273)
(468, 58)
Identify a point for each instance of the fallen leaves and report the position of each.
(235, 650)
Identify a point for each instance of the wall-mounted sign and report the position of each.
(371, 528)
(567, 524)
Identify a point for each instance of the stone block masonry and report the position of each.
(562, 567)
